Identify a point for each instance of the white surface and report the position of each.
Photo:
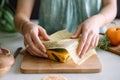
(110, 63)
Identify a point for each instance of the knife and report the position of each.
(17, 52)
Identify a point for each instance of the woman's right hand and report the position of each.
(31, 33)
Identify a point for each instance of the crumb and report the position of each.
(54, 77)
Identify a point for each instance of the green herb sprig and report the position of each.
(104, 42)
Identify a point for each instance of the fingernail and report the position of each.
(82, 56)
(45, 55)
(44, 50)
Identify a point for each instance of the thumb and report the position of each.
(44, 34)
(77, 33)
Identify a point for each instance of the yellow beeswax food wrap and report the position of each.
(61, 48)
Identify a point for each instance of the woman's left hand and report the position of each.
(90, 35)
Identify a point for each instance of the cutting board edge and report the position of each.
(94, 70)
(112, 49)
(59, 71)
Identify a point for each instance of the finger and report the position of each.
(38, 43)
(86, 45)
(28, 41)
(36, 52)
(92, 43)
(44, 34)
(82, 42)
(25, 43)
(32, 47)
(33, 53)
(97, 41)
(29, 50)
(77, 33)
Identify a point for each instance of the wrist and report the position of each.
(23, 25)
(20, 22)
(101, 19)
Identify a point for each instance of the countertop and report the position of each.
(110, 63)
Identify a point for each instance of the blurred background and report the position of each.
(36, 8)
(10, 6)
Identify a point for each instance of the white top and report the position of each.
(110, 63)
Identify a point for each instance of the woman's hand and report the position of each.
(31, 33)
(90, 35)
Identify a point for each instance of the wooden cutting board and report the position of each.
(32, 64)
(114, 49)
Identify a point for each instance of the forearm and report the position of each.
(108, 13)
(19, 21)
(23, 13)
